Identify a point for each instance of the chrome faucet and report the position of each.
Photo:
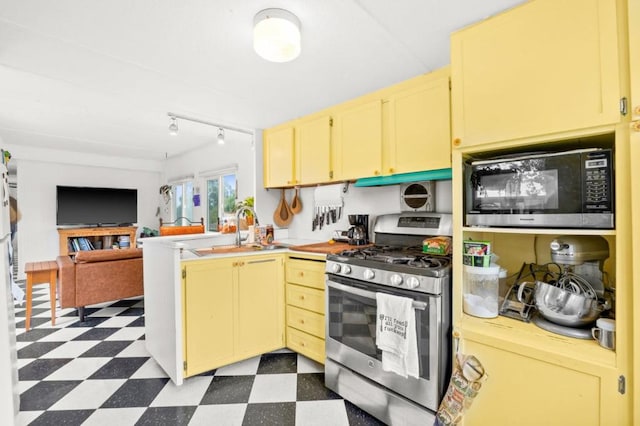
(238, 213)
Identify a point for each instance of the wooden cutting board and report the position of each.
(327, 248)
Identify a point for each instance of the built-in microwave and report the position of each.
(568, 189)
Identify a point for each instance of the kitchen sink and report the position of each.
(249, 248)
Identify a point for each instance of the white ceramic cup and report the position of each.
(605, 333)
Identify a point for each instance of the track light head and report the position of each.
(220, 136)
(173, 127)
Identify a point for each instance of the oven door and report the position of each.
(351, 338)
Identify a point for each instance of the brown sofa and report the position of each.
(98, 276)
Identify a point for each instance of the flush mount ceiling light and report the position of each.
(173, 127)
(276, 35)
(220, 136)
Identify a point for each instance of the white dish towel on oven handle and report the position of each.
(396, 334)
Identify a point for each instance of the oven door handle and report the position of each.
(369, 294)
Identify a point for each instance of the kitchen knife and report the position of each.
(314, 221)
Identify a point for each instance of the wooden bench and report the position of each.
(172, 228)
(40, 273)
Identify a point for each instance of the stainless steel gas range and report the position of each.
(394, 265)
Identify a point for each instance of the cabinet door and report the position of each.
(419, 127)
(260, 305)
(359, 140)
(208, 315)
(279, 157)
(526, 391)
(313, 148)
(544, 67)
(634, 59)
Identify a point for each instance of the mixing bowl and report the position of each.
(565, 307)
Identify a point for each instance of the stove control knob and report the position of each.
(396, 279)
(346, 269)
(369, 274)
(336, 268)
(413, 282)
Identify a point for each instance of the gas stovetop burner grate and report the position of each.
(410, 257)
(428, 262)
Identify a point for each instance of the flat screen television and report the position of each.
(96, 206)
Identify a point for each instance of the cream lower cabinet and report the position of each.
(524, 390)
(543, 67)
(305, 301)
(233, 309)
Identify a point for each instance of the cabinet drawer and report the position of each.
(305, 344)
(306, 272)
(307, 321)
(306, 298)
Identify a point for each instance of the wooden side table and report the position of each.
(40, 273)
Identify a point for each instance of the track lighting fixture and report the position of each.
(173, 127)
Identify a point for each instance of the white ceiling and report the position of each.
(97, 76)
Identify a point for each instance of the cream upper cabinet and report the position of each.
(544, 67)
(418, 130)
(358, 144)
(313, 150)
(279, 156)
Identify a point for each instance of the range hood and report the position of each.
(439, 174)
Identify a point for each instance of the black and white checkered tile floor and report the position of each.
(100, 373)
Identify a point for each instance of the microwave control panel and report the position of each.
(597, 181)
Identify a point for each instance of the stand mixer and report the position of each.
(578, 260)
(581, 259)
(583, 255)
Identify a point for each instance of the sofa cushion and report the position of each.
(89, 256)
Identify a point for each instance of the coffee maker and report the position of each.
(358, 234)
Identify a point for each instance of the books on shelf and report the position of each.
(80, 244)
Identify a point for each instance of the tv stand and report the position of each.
(95, 234)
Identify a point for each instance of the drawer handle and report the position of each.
(301, 274)
(635, 126)
(301, 321)
(302, 344)
(457, 142)
(301, 297)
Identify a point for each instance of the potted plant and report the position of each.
(246, 216)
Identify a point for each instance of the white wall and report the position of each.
(37, 180)
(238, 151)
(373, 201)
